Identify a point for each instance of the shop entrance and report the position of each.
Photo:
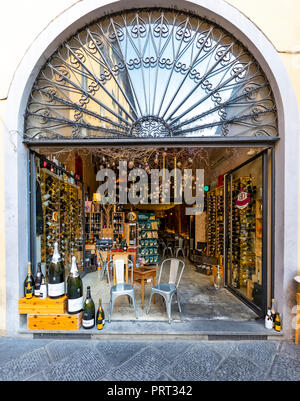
(226, 235)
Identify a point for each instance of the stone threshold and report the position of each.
(206, 330)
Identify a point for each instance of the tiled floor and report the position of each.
(199, 300)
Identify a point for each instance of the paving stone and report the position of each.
(39, 377)
(285, 369)
(262, 353)
(171, 349)
(146, 365)
(164, 378)
(80, 366)
(25, 366)
(238, 369)
(11, 348)
(117, 352)
(61, 349)
(197, 363)
(223, 348)
(291, 350)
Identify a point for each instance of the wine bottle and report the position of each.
(29, 279)
(273, 311)
(56, 275)
(43, 289)
(29, 291)
(277, 322)
(269, 320)
(100, 320)
(88, 318)
(74, 290)
(38, 280)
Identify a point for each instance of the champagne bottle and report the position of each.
(29, 291)
(74, 290)
(100, 320)
(277, 322)
(56, 275)
(38, 280)
(269, 320)
(88, 318)
(43, 289)
(273, 311)
(29, 280)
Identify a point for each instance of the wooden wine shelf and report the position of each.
(54, 322)
(48, 314)
(38, 306)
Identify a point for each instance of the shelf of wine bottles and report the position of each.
(243, 239)
(215, 222)
(61, 214)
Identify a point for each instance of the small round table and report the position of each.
(140, 275)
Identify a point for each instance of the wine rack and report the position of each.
(215, 222)
(244, 239)
(93, 226)
(118, 226)
(148, 237)
(62, 216)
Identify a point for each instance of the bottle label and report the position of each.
(75, 305)
(88, 323)
(55, 290)
(100, 326)
(43, 291)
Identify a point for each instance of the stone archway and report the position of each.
(16, 157)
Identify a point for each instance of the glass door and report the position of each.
(246, 189)
(56, 213)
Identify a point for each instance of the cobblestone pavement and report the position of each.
(176, 360)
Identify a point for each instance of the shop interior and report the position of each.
(68, 210)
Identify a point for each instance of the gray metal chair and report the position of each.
(166, 248)
(103, 262)
(167, 290)
(179, 247)
(120, 285)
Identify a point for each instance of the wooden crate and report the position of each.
(54, 322)
(38, 306)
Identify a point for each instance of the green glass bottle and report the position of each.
(88, 318)
(74, 290)
(38, 280)
(100, 319)
(56, 275)
(29, 289)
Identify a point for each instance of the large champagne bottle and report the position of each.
(56, 275)
(38, 280)
(29, 283)
(74, 289)
(88, 319)
(100, 320)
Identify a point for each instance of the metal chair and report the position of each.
(167, 290)
(179, 247)
(103, 262)
(166, 248)
(120, 283)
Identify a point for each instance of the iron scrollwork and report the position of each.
(151, 73)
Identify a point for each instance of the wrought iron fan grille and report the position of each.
(150, 73)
